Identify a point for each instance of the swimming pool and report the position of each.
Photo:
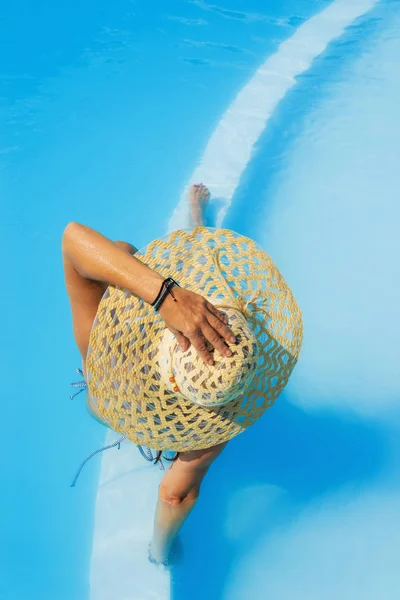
(288, 113)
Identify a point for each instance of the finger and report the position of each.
(183, 342)
(200, 344)
(215, 339)
(219, 322)
(220, 314)
(223, 317)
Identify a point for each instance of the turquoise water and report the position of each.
(108, 112)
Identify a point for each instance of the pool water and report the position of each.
(289, 113)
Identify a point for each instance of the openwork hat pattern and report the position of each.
(220, 383)
(129, 355)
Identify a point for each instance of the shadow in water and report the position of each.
(262, 480)
(212, 210)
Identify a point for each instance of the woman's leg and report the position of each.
(180, 486)
(178, 494)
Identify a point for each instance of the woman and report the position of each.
(131, 360)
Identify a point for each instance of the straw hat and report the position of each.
(141, 383)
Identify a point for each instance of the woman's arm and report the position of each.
(96, 257)
(191, 318)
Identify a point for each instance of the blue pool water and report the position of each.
(289, 113)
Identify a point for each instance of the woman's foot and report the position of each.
(199, 195)
(174, 557)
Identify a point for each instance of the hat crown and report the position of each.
(220, 383)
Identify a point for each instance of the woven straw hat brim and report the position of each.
(123, 371)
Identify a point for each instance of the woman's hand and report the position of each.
(194, 320)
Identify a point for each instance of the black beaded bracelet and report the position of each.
(165, 289)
